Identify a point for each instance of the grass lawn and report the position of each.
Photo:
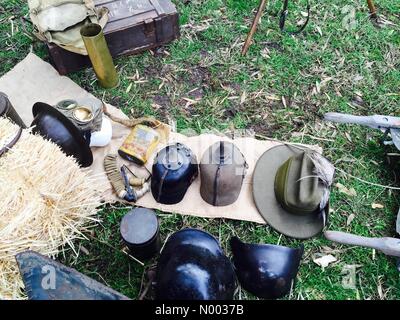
(280, 89)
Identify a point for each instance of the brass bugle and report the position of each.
(99, 55)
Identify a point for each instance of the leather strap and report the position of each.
(160, 187)
(284, 14)
(218, 172)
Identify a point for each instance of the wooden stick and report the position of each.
(253, 29)
(389, 246)
(372, 8)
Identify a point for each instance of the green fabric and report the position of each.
(297, 188)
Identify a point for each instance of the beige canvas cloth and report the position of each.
(60, 21)
(34, 80)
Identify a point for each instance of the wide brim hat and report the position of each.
(293, 225)
(53, 125)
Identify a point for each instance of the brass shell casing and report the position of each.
(99, 55)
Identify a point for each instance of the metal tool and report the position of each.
(121, 183)
(387, 245)
(386, 124)
(130, 193)
(133, 195)
(46, 279)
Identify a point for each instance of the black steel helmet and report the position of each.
(193, 266)
(174, 169)
(265, 270)
(53, 125)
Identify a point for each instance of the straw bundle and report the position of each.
(46, 201)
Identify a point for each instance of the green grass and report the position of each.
(361, 62)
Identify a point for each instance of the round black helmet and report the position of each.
(53, 125)
(193, 266)
(265, 270)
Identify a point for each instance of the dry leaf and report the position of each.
(377, 206)
(348, 136)
(349, 279)
(243, 97)
(324, 261)
(129, 88)
(350, 218)
(327, 249)
(284, 102)
(358, 78)
(380, 289)
(84, 250)
(318, 86)
(265, 53)
(342, 189)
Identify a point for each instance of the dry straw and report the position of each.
(46, 201)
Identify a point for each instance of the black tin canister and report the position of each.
(140, 232)
(8, 111)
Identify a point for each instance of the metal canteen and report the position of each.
(174, 169)
(193, 266)
(265, 270)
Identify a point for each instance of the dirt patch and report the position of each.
(264, 128)
(162, 104)
(153, 70)
(274, 46)
(196, 94)
(162, 101)
(199, 76)
(115, 101)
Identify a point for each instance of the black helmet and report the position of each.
(174, 169)
(265, 270)
(53, 125)
(193, 266)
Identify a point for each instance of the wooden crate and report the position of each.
(133, 26)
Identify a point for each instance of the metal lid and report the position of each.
(173, 157)
(139, 226)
